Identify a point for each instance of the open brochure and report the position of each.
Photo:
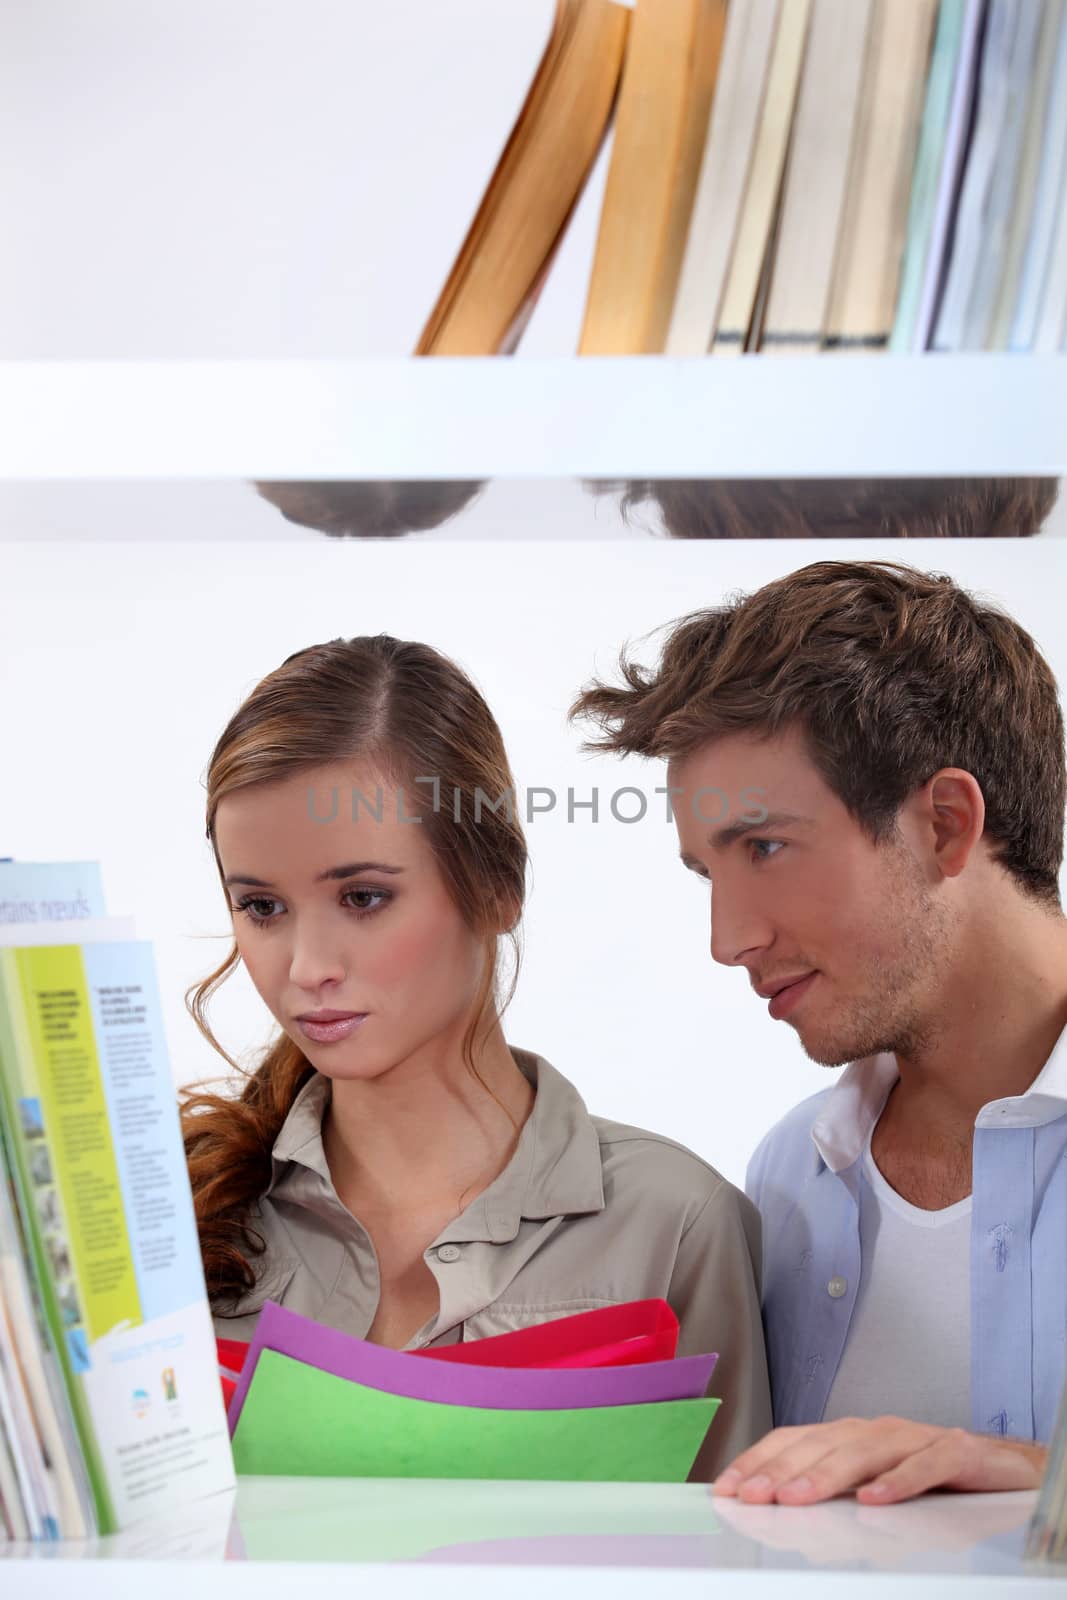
(109, 1398)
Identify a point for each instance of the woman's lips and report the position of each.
(788, 998)
(331, 1032)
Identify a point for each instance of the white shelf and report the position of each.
(465, 1540)
(822, 416)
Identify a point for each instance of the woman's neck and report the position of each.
(430, 1127)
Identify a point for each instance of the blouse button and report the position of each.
(448, 1252)
(837, 1287)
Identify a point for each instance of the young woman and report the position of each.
(394, 1168)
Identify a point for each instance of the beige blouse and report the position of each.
(586, 1213)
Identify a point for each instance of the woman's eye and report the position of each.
(258, 908)
(263, 909)
(362, 897)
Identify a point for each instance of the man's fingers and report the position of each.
(885, 1459)
(827, 1459)
(752, 1460)
(823, 1460)
(868, 1449)
(955, 1460)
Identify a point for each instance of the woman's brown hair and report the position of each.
(410, 713)
(890, 673)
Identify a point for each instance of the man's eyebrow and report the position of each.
(349, 871)
(723, 838)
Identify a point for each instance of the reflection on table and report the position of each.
(651, 1526)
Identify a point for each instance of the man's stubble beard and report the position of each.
(894, 1011)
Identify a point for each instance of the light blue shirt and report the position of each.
(805, 1177)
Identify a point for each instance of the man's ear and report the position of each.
(955, 814)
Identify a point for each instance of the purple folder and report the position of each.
(449, 1383)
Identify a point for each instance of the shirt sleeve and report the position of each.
(715, 1294)
(755, 1171)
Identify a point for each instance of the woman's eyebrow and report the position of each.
(348, 871)
(357, 866)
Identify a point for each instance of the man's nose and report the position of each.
(737, 930)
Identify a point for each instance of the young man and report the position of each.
(893, 896)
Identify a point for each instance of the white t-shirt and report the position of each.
(908, 1351)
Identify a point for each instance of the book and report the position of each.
(106, 1235)
(1036, 131)
(938, 165)
(38, 1420)
(991, 112)
(504, 259)
(1051, 331)
(816, 177)
(740, 318)
(870, 249)
(665, 97)
(49, 891)
(1050, 190)
(554, 326)
(1006, 186)
(735, 119)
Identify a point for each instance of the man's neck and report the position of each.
(997, 1022)
(995, 1032)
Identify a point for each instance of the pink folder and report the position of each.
(613, 1336)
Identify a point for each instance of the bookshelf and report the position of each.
(648, 416)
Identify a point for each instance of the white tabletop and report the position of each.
(281, 1535)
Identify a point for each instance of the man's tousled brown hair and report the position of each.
(890, 674)
(841, 508)
(407, 711)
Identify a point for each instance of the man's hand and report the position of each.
(884, 1459)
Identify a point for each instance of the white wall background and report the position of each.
(120, 663)
(240, 178)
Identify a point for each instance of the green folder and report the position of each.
(300, 1422)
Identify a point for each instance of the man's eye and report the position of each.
(765, 849)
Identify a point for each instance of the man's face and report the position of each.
(845, 939)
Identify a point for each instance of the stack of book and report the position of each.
(109, 1400)
(786, 176)
(599, 1396)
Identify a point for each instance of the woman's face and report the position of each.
(343, 919)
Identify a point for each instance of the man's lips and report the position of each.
(786, 993)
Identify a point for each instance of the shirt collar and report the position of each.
(300, 1137)
(556, 1169)
(851, 1109)
(849, 1112)
(1044, 1101)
